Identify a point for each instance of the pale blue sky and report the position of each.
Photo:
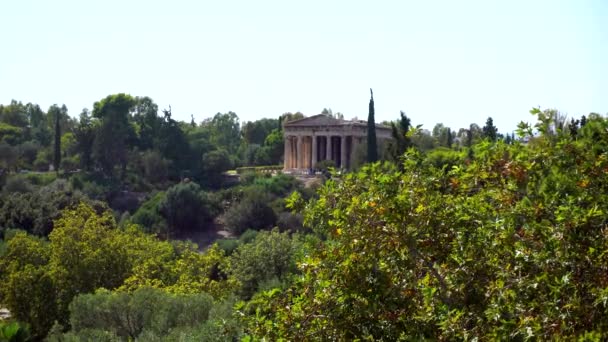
(454, 62)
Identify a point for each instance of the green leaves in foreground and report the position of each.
(510, 245)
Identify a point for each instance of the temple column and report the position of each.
(286, 154)
(299, 153)
(343, 152)
(328, 148)
(353, 148)
(314, 151)
(294, 152)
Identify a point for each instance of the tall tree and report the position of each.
(489, 130)
(401, 141)
(115, 132)
(57, 156)
(85, 138)
(372, 148)
(450, 138)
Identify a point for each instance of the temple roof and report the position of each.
(326, 120)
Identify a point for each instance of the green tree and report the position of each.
(214, 164)
(251, 212)
(489, 130)
(401, 139)
(186, 208)
(84, 133)
(27, 289)
(372, 147)
(401, 255)
(57, 146)
(225, 131)
(269, 256)
(115, 133)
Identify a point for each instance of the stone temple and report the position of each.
(322, 137)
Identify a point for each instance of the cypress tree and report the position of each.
(372, 148)
(57, 159)
(450, 139)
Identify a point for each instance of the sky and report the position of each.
(454, 62)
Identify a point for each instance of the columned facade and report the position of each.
(320, 137)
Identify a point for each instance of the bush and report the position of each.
(268, 256)
(35, 211)
(148, 217)
(70, 164)
(252, 212)
(248, 236)
(227, 245)
(17, 184)
(127, 315)
(443, 157)
(290, 222)
(187, 208)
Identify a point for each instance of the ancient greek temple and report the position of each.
(322, 137)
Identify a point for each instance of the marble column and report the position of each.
(353, 148)
(328, 148)
(343, 152)
(286, 154)
(299, 153)
(294, 153)
(314, 151)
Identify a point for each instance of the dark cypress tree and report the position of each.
(450, 139)
(372, 148)
(57, 159)
(489, 130)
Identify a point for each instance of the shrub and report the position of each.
(227, 245)
(268, 256)
(17, 184)
(148, 217)
(187, 208)
(127, 315)
(252, 212)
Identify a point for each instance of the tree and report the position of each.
(251, 212)
(372, 147)
(115, 133)
(215, 163)
(84, 133)
(490, 131)
(255, 132)
(268, 257)
(225, 131)
(401, 256)
(187, 208)
(57, 146)
(401, 140)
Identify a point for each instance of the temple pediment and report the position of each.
(316, 120)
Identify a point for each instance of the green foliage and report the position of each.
(10, 134)
(148, 217)
(372, 147)
(508, 245)
(489, 130)
(444, 158)
(57, 145)
(401, 139)
(187, 208)
(35, 211)
(251, 212)
(268, 256)
(13, 332)
(114, 134)
(214, 164)
(325, 165)
(127, 315)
